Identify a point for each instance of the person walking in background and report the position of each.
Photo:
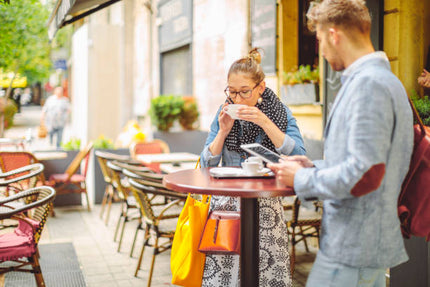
(367, 150)
(17, 98)
(55, 113)
(266, 120)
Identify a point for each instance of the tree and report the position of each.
(24, 43)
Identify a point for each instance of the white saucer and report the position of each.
(226, 171)
(236, 171)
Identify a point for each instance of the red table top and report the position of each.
(201, 182)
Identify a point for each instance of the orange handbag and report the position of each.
(221, 234)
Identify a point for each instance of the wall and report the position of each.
(220, 37)
(105, 91)
(79, 85)
(405, 27)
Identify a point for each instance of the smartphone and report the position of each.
(264, 153)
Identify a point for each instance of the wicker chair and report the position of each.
(12, 160)
(301, 228)
(18, 249)
(155, 146)
(155, 219)
(108, 196)
(71, 181)
(129, 208)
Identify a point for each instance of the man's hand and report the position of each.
(424, 79)
(287, 168)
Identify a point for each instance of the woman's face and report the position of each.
(239, 82)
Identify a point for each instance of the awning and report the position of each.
(68, 11)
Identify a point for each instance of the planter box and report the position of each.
(184, 141)
(300, 94)
(59, 166)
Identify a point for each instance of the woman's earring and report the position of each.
(260, 100)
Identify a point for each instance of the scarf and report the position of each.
(244, 132)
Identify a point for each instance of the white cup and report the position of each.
(231, 110)
(255, 159)
(251, 168)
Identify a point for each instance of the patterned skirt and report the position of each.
(274, 265)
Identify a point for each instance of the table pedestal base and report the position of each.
(249, 240)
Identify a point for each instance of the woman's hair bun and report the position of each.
(254, 54)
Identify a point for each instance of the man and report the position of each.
(367, 149)
(55, 113)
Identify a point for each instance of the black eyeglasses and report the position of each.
(243, 94)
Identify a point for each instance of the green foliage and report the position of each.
(422, 105)
(24, 43)
(189, 114)
(9, 112)
(303, 75)
(164, 110)
(103, 143)
(72, 144)
(4, 1)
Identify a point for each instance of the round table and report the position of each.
(249, 190)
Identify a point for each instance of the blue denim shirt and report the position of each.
(370, 125)
(293, 144)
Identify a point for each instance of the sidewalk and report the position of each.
(27, 122)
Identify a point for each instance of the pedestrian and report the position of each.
(55, 113)
(17, 98)
(367, 150)
(264, 119)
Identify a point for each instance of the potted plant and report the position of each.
(189, 114)
(422, 105)
(165, 110)
(301, 86)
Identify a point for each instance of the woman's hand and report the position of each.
(225, 121)
(252, 114)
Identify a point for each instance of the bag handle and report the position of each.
(418, 119)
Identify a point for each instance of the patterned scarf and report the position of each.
(244, 132)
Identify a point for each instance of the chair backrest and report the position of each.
(76, 162)
(155, 146)
(116, 172)
(12, 160)
(103, 157)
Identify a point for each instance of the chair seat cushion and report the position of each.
(19, 243)
(62, 177)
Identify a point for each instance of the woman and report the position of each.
(267, 121)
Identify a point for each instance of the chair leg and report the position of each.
(104, 200)
(88, 201)
(152, 262)
(293, 251)
(146, 239)
(109, 203)
(122, 232)
(304, 239)
(139, 226)
(121, 215)
(2, 280)
(37, 271)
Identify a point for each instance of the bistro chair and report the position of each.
(129, 208)
(154, 146)
(19, 248)
(72, 180)
(299, 228)
(108, 196)
(159, 221)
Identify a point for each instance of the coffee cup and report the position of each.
(251, 168)
(255, 159)
(231, 110)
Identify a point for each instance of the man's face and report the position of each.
(328, 49)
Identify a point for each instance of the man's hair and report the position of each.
(346, 13)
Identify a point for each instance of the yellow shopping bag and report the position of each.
(186, 262)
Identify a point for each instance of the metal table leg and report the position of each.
(249, 248)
